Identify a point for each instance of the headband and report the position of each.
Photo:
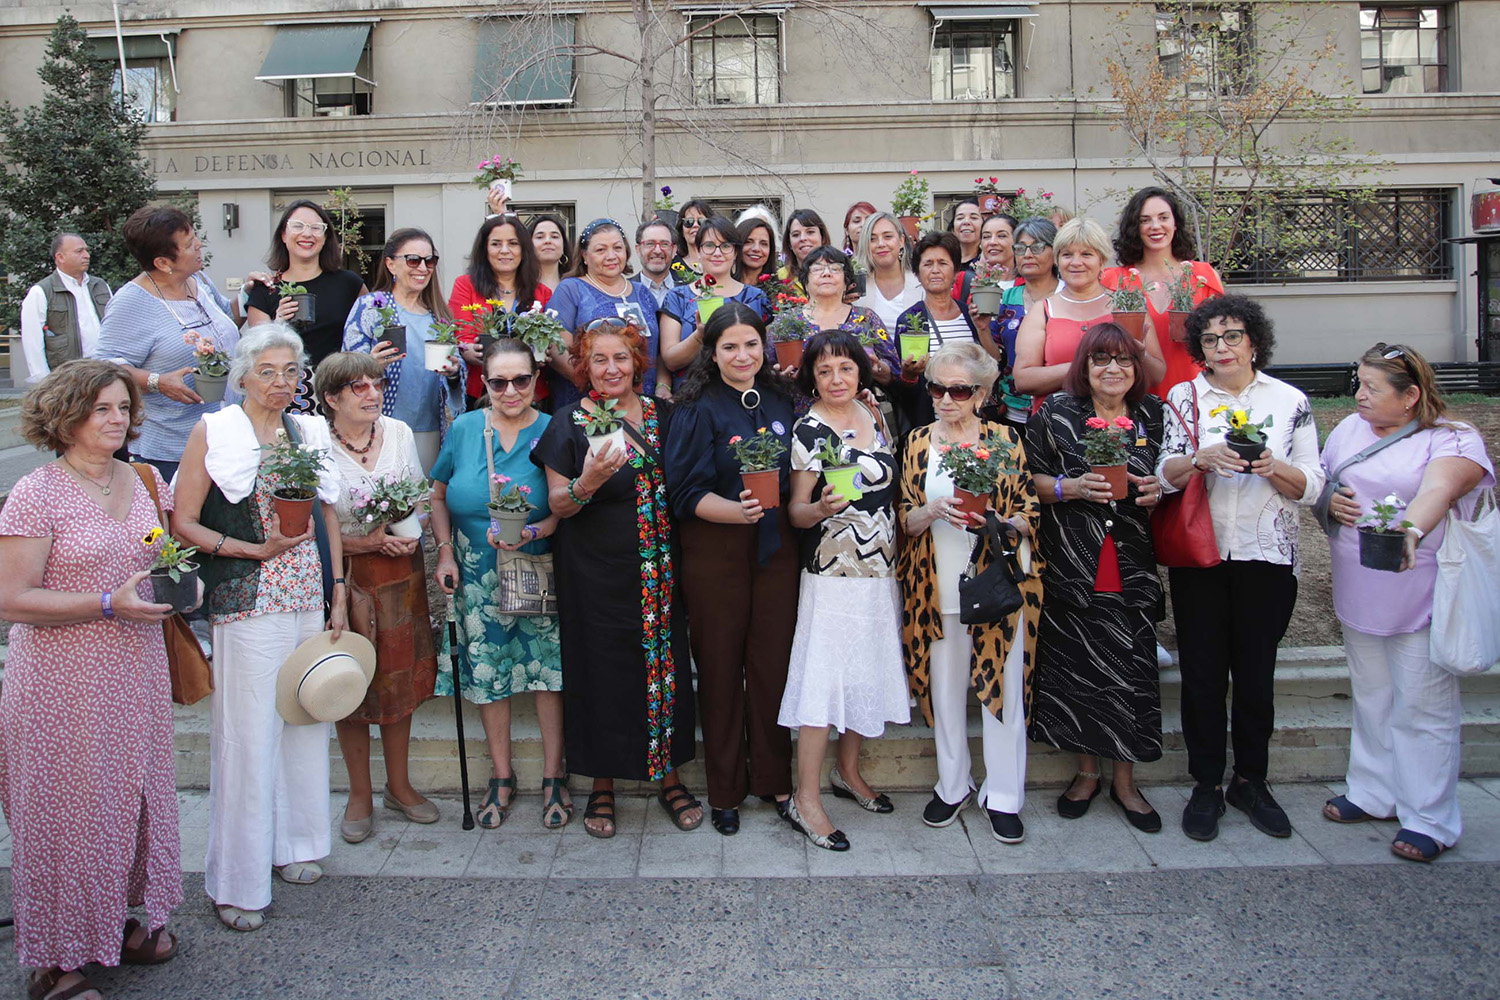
(595, 226)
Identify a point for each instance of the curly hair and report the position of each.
(583, 345)
(1130, 250)
(1258, 327)
(53, 409)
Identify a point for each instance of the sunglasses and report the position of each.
(499, 385)
(1099, 359)
(957, 393)
(692, 223)
(360, 386)
(416, 260)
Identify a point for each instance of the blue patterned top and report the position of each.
(414, 395)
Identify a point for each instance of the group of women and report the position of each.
(826, 608)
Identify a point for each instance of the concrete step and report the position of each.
(10, 428)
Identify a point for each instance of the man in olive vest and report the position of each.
(61, 313)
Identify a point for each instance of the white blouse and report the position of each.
(397, 460)
(1251, 519)
(889, 310)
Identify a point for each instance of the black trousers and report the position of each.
(1229, 619)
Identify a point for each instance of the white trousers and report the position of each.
(1004, 743)
(268, 781)
(1404, 749)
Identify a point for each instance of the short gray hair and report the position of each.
(257, 341)
(978, 367)
(57, 243)
(1039, 229)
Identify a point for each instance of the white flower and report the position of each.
(281, 433)
(483, 673)
(1394, 500)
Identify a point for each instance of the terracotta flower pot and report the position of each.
(1133, 323)
(1177, 326)
(1119, 480)
(210, 387)
(912, 224)
(181, 593)
(971, 503)
(765, 486)
(788, 353)
(1381, 549)
(989, 204)
(294, 513)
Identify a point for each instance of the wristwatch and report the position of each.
(152, 382)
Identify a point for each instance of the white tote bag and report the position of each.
(1466, 604)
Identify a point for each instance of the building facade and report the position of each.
(255, 104)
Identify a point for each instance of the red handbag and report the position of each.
(1182, 527)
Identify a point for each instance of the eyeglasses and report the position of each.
(825, 268)
(715, 249)
(1030, 249)
(957, 393)
(415, 260)
(656, 245)
(499, 385)
(1208, 341)
(692, 223)
(1101, 359)
(298, 226)
(270, 376)
(360, 386)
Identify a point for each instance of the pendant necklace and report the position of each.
(349, 447)
(101, 487)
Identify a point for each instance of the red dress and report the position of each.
(464, 295)
(1180, 364)
(1061, 341)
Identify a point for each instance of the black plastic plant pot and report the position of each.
(181, 593)
(1248, 450)
(861, 283)
(1381, 549)
(307, 308)
(396, 335)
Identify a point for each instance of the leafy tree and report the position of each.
(73, 163)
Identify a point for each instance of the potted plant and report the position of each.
(1184, 296)
(909, 202)
(840, 473)
(861, 283)
(975, 469)
(488, 320)
(1244, 438)
(390, 331)
(666, 207)
(1106, 447)
(1022, 206)
(296, 468)
(602, 425)
(707, 299)
(349, 225)
(210, 367)
(868, 336)
(174, 580)
(510, 508)
(396, 503)
(1382, 538)
(442, 346)
(915, 337)
(987, 193)
(988, 289)
(789, 329)
(760, 465)
(307, 302)
(498, 175)
(1127, 305)
(540, 330)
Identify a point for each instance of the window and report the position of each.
(974, 60)
(1404, 50)
(150, 82)
(1397, 234)
(730, 208)
(1206, 45)
(568, 212)
(324, 70)
(737, 60)
(524, 61)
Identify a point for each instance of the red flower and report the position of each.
(596, 395)
(1096, 423)
(966, 445)
(1125, 422)
(994, 180)
(945, 448)
(708, 281)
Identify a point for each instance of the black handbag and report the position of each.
(991, 596)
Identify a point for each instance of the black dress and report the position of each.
(627, 688)
(335, 293)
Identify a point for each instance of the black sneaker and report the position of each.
(1253, 798)
(1200, 819)
(939, 813)
(1006, 827)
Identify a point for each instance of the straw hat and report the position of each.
(324, 680)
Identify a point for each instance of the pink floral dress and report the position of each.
(87, 778)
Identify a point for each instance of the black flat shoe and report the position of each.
(784, 813)
(1146, 822)
(1253, 798)
(881, 803)
(1006, 827)
(835, 841)
(726, 821)
(1074, 808)
(939, 814)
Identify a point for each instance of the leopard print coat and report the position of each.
(922, 622)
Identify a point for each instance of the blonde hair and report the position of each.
(1083, 232)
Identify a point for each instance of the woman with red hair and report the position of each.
(853, 220)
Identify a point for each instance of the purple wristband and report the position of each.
(1057, 488)
(106, 605)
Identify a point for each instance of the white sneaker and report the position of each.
(1163, 657)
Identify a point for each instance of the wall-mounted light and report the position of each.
(231, 217)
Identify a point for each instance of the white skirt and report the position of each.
(846, 670)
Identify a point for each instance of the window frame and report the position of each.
(696, 23)
(1008, 28)
(1226, 81)
(166, 89)
(361, 84)
(1445, 65)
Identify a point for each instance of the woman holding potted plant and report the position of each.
(732, 425)
(628, 697)
(264, 593)
(500, 654)
(1048, 338)
(687, 307)
(845, 671)
(1231, 616)
(503, 269)
(945, 657)
(407, 296)
(1404, 748)
(890, 286)
(1096, 692)
(381, 486)
(86, 773)
(932, 323)
(1157, 257)
(827, 275)
(549, 237)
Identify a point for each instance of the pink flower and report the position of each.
(1020, 191)
(736, 439)
(1125, 422)
(525, 490)
(1096, 423)
(945, 448)
(914, 173)
(994, 180)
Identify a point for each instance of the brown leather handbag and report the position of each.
(192, 674)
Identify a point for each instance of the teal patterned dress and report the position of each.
(498, 654)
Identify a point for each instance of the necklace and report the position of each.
(349, 447)
(1092, 298)
(750, 398)
(619, 295)
(101, 487)
(161, 294)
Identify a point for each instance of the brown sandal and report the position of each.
(145, 952)
(40, 984)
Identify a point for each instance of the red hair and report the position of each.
(1110, 339)
(583, 346)
(858, 206)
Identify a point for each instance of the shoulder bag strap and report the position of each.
(149, 481)
(1193, 430)
(489, 452)
(320, 530)
(1378, 446)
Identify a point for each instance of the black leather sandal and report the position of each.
(598, 808)
(676, 800)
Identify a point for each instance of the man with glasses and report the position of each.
(655, 245)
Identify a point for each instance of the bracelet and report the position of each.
(107, 605)
(152, 382)
(222, 539)
(530, 532)
(1418, 532)
(574, 496)
(447, 542)
(1057, 488)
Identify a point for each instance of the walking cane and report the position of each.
(458, 716)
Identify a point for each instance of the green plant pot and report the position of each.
(843, 480)
(1381, 549)
(914, 346)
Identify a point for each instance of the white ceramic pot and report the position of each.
(616, 436)
(409, 526)
(437, 355)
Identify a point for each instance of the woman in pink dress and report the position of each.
(86, 772)
(1049, 337)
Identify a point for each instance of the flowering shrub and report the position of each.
(911, 196)
(296, 465)
(987, 275)
(1185, 290)
(208, 357)
(789, 323)
(605, 418)
(866, 332)
(1130, 296)
(495, 169)
(666, 203)
(539, 330)
(759, 452)
(977, 467)
(982, 186)
(389, 500)
(1107, 442)
(172, 556)
(508, 496)
(1023, 206)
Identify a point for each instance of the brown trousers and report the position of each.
(741, 618)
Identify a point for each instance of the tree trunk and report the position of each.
(648, 110)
